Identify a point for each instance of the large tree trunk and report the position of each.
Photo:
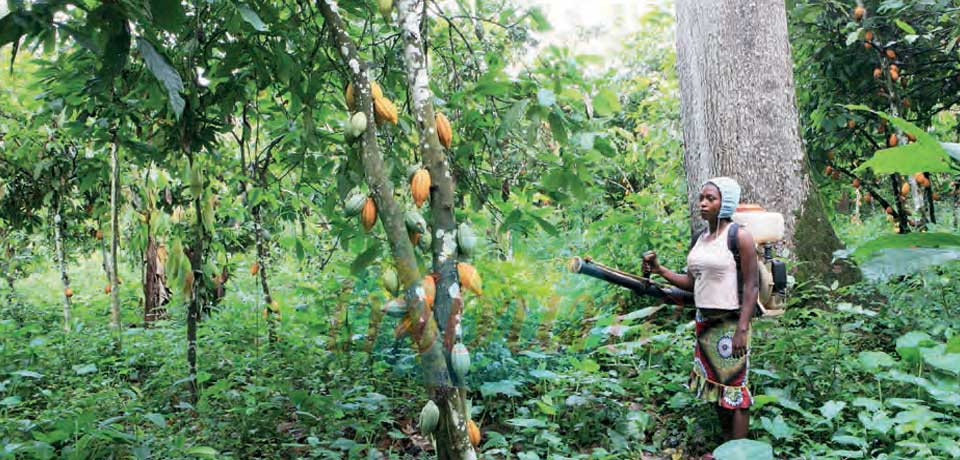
(740, 119)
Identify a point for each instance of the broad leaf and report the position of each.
(164, 72)
(606, 103)
(926, 154)
(252, 18)
(910, 240)
(744, 449)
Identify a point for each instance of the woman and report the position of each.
(721, 353)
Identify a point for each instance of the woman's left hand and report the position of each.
(739, 344)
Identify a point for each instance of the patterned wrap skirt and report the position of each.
(717, 375)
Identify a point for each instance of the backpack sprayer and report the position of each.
(766, 227)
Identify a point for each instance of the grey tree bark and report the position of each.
(740, 119)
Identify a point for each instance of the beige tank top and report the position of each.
(714, 273)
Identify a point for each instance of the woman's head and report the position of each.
(719, 198)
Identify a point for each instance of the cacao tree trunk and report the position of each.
(740, 119)
(114, 236)
(62, 262)
(195, 283)
(273, 313)
(425, 330)
(452, 439)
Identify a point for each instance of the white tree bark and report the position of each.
(739, 113)
(62, 262)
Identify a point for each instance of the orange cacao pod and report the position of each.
(474, 432)
(892, 140)
(469, 278)
(385, 111)
(368, 215)
(429, 289)
(444, 130)
(420, 186)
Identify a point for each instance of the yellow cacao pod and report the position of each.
(444, 130)
(368, 216)
(385, 111)
(473, 432)
(420, 186)
(348, 94)
(905, 188)
(255, 268)
(469, 278)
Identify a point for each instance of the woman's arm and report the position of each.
(748, 273)
(682, 281)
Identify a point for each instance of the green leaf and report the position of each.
(606, 103)
(873, 360)
(852, 37)
(365, 258)
(202, 452)
(939, 358)
(910, 240)
(909, 344)
(26, 373)
(905, 27)
(744, 449)
(926, 154)
(85, 369)
(831, 409)
(252, 18)
(503, 387)
(545, 97)
(778, 427)
(168, 14)
(164, 72)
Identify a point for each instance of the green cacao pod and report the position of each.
(466, 240)
(196, 182)
(354, 203)
(358, 124)
(390, 281)
(460, 360)
(429, 416)
(385, 7)
(425, 243)
(395, 308)
(415, 222)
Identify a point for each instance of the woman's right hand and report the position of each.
(650, 262)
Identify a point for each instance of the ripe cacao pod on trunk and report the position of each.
(420, 186)
(469, 278)
(429, 290)
(444, 130)
(368, 216)
(385, 111)
(474, 433)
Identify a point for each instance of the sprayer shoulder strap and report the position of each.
(733, 244)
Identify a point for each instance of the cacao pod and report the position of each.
(414, 238)
(99, 235)
(894, 73)
(936, 196)
(905, 189)
(444, 130)
(385, 111)
(466, 240)
(255, 268)
(68, 292)
(348, 94)
(415, 222)
(385, 7)
(425, 242)
(107, 289)
(358, 124)
(429, 290)
(275, 306)
(196, 182)
(892, 140)
(856, 183)
(429, 416)
(469, 278)
(889, 210)
(368, 216)
(868, 36)
(877, 73)
(354, 203)
(390, 280)
(859, 12)
(891, 54)
(828, 170)
(851, 123)
(395, 308)
(420, 186)
(460, 361)
(473, 432)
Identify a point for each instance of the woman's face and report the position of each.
(709, 202)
